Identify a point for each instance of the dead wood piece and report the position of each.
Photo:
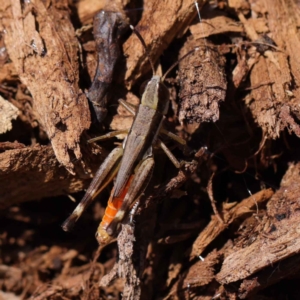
(43, 48)
(10, 146)
(262, 107)
(126, 268)
(10, 278)
(263, 252)
(198, 275)
(8, 72)
(241, 5)
(8, 112)
(285, 201)
(269, 102)
(202, 82)
(69, 282)
(108, 278)
(279, 236)
(109, 26)
(271, 275)
(241, 69)
(37, 174)
(52, 291)
(160, 23)
(215, 227)
(86, 9)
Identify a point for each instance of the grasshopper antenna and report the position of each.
(190, 52)
(178, 61)
(145, 47)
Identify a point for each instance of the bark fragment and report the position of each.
(268, 101)
(109, 26)
(167, 19)
(230, 212)
(37, 174)
(8, 112)
(47, 63)
(277, 240)
(202, 83)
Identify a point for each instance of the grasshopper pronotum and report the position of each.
(135, 155)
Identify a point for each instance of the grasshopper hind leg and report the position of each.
(103, 177)
(141, 179)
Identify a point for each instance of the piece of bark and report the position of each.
(109, 26)
(8, 73)
(215, 227)
(271, 275)
(202, 82)
(275, 105)
(161, 22)
(126, 267)
(8, 112)
(240, 71)
(278, 239)
(37, 174)
(43, 48)
(10, 277)
(86, 9)
(198, 275)
(10, 146)
(241, 5)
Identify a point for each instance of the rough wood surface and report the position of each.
(230, 212)
(167, 19)
(37, 174)
(46, 60)
(275, 104)
(202, 82)
(8, 112)
(278, 239)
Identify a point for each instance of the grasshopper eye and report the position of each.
(143, 87)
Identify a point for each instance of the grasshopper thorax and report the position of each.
(156, 95)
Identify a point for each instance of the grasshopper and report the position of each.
(134, 157)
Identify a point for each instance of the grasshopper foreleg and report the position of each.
(103, 177)
(137, 187)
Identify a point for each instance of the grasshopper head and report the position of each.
(156, 95)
